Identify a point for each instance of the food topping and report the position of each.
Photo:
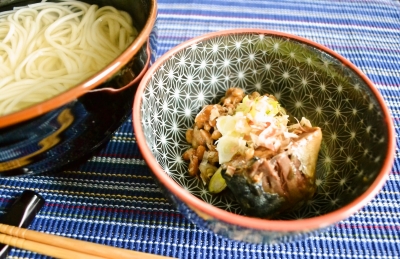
(250, 137)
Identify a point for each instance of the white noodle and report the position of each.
(47, 48)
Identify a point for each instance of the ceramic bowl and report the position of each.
(69, 127)
(309, 80)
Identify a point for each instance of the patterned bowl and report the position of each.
(309, 80)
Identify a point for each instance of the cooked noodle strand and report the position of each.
(47, 48)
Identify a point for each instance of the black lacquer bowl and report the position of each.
(70, 126)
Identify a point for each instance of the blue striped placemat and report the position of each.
(111, 199)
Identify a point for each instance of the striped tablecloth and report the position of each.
(111, 199)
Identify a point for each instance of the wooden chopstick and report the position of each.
(63, 247)
(44, 249)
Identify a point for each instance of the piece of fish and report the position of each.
(266, 187)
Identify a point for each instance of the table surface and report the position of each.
(111, 199)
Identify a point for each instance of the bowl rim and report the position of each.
(203, 208)
(90, 83)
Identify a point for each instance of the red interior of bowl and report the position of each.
(88, 84)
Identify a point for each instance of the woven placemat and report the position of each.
(112, 199)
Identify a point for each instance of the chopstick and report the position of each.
(63, 247)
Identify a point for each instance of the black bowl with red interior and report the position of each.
(73, 124)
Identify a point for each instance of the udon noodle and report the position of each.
(47, 48)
